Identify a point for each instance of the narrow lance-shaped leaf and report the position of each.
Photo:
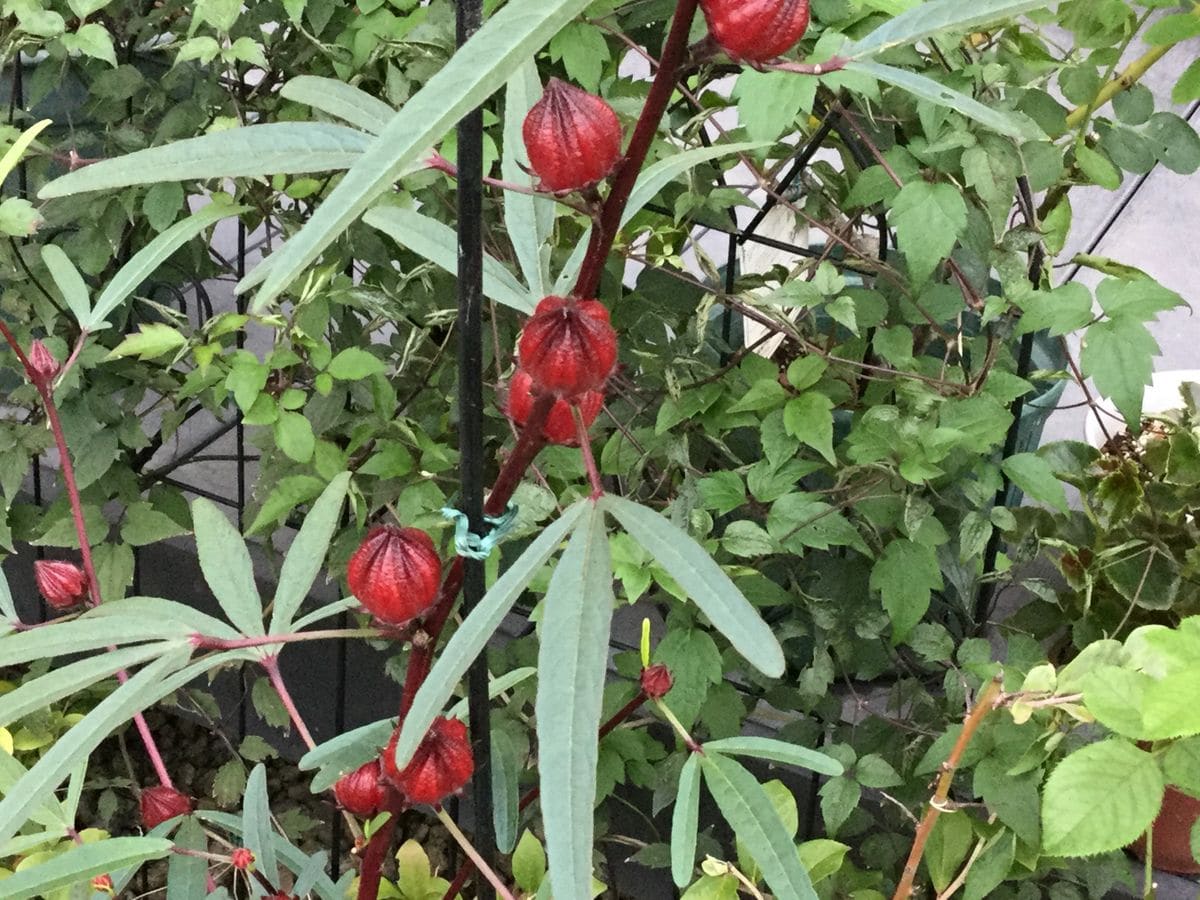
(83, 634)
(528, 220)
(306, 556)
(476, 630)
(187, 876)
(147, 260)
(341, 100)
(750, 812)
(929, 18)
(226, 565)
(81, 863)
(684, 821)
(506, 790)
(20, 145)
(6, 601)
(256, 822)
(438, 243)
(516, 32)
(778, 751)
(68, 281)
(705, 582)
(277, 148)
(572, 663)
(496, 687)
(925, 88)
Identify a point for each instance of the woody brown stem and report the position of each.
(984, 704)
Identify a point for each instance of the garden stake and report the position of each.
(984, 704)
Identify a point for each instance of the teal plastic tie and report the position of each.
(474, 546)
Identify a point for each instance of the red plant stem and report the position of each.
(270, 665)
(589, 460)
(207, 642)
(45, 389)
(377, 848)
(984, 704)
(464, 871)
(604, 233)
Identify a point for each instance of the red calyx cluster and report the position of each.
(560, 424)
(441, 766)
(656, 681)
(241, 858)
(395, 573)
(160, 803)
(62, 583)
(756, 30)
(573, 138)
(568, 347)
(360, 792)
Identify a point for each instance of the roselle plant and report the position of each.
(844, 490)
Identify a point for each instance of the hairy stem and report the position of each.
(984, 704)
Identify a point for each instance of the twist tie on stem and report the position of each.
(474, 546)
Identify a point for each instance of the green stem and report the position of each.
(472, 854)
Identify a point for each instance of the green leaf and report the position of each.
(929, 18)
(474, 73)
(92, 40)
(769, 102)
(306, 555)
(81, 863)
(147, 260)
(68, 281)
(438, 243)
(1118, 355)
(528, 220)
(144, 525)
(1141, 298)
(340, 100)
(88, 632)
(496, 687)
(18, 217)
(342, 750)
(905, 575)
(1187, 88)
(1035, 477)
(809, 417)
(152, 340)
(925, 88)
(1097, 167)
(684, 822)
(778, 751)
(573, 662)
(285, 496)
(6, 601)
(529, 863)
(256, 821)
(928, 219)
(294, 436)
(38, 693)
(277, 148)
(757, 825)
(506, 790)
(14, 153)
(476, 630)
(704, 581)
(226, 565)
(187, 876)
(1100, 798)
(1181, 765)
(992, 867)
(1175, 142)
(1173, 29)
(355, 364)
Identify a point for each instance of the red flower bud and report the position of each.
(441, 766)
(241, 858)
(573, 138)
(568, 346)
(560, 424)
(395, 573)
(161, 803)
(103, 884)
(62, 583)
(360, 792)
(756, 30)
(42, 364)
(656, 681)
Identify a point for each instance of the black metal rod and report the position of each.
(470, 433)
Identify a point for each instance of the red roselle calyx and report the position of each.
(656, 681)
(573, 138)
(241, 858)
(42, 364)
(103, 884)
(560, 424)
(62, 583)
(161, 803)
(441, 766)
(395, 573)
(360, 792)
(756, 30)
(568, 346)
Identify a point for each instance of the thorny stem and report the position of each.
(45, 389)
(605, 231)
(472, 854)
(984, 704)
